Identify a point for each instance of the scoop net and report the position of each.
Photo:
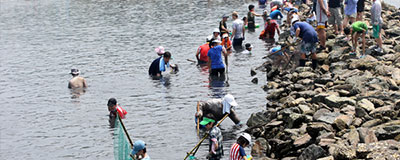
(122, 147)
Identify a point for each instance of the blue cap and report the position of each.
(137, 146)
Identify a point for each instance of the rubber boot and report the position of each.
(314, 63)
(302, 63)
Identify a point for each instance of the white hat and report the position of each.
(216, 30)
(209, 38)
(160, 50)
(225, 35)
(247, 136)
(230, 99)
(294, 19)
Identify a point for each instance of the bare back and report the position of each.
(77, 82)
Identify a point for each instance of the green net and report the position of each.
(122, 147)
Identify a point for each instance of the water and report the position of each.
(112, 42)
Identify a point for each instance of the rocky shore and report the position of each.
(348, 108)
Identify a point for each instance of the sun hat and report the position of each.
(225, 16)
(137, 146)
(216, 30)
(225, 35)
(75, 71)
(160, 50)
(206, 121)
(247, 137)
(227, 102)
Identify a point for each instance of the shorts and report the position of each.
(217, 72)
(308, 48)
(376, 30)
(321, 16)
(354, 15)
(336, 16)
(360, 5)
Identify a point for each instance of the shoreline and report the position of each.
(344, 109)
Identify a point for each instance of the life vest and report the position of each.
(121, 112)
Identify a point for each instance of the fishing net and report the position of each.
(122, 147)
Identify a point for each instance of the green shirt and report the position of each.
(359, 26)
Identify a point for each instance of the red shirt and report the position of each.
(203, 52)
(272, 26)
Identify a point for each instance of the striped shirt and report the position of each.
(237, 152)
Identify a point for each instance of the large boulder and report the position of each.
(315, 128)
(366, 135)
(312, 152)
(260, 118)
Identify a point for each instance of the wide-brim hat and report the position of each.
(160, 50)
(137, 146)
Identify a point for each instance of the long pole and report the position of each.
(126, 132)
(205, 136)
(198, 119)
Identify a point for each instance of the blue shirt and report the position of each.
(216, 58)
(307, 32)
(351, 7)
(277, 48)
(275, 14)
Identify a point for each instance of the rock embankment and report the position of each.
(348, 108)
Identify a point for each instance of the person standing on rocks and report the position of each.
(336, 16)
(357, 28)
(360, 10)
(218, 108)
(376, 21)
(350, 12)
(322, 14)
(238, 31)
(309, 41)
(216, 150)
(76, 81)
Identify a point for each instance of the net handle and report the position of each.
(126, 132)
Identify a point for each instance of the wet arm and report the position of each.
(233, 116)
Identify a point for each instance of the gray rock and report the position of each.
(372, 123)
(312, 152)
(368, 62)
(305, 75)
(387, 111)
(335, 101)
(343, 121)
(366, 104)
(366, 135)
(315, 128)
(255, 80)
(260, 118)
(389, 149)
(328, 117)
(253, 72)
(302, 141)
(342, 151)
(327, 158)
(387, 132)
(377, 102)
(294, 120)
(260, 148)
